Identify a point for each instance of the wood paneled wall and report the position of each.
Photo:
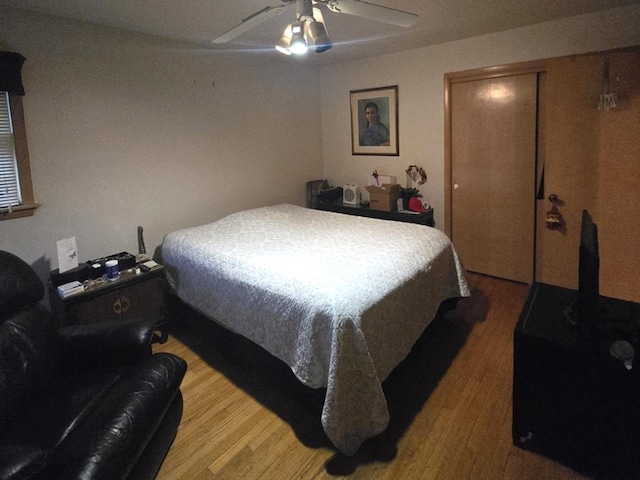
(592, 161)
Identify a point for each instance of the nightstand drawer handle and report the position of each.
(121, 305)
(125, 304)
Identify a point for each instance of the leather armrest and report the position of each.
(109, 441)
(19, 284)
(106, 343)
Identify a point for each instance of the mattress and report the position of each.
(341, 299)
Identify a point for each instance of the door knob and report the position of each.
(456, 186)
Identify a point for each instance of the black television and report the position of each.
(588, 319)
(604, 324)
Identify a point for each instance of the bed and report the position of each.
(340, 299)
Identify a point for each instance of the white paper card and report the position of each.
(67, 254)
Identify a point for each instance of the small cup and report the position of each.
(112, 269)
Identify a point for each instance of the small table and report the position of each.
(425, 218)
(132, 295)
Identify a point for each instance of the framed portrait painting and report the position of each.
(374, 121)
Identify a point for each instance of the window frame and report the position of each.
(28, 205)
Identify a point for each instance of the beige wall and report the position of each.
(127, 130)
(419, 75)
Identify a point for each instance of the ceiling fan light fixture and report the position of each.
(283, 44)
(318, 38)
(298, 45)
(283, 49)
(310, 27)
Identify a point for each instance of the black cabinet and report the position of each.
(422, 218)
(132, 295)
(581, 408)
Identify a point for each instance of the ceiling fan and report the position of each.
(308, 30)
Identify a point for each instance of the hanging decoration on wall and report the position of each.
(607, 98)
(374, 121)
(554, 218)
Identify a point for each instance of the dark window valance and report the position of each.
(10, 76)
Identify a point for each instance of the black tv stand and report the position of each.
(619, 324)
(579, 407)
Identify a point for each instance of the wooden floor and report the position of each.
(246, 416)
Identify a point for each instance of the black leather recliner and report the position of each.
(83, 402)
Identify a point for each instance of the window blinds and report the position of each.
(9, 186)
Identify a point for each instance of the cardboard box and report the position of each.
(382, 180)
(384, 197)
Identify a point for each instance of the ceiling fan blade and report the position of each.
(371, 12)
(248, 23)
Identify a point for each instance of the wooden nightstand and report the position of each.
(132, 295)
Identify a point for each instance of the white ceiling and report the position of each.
(199, 21)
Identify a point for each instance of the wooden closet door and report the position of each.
(493, 161)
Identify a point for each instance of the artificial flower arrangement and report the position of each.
(414, 173)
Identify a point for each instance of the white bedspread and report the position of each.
(341, 299)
